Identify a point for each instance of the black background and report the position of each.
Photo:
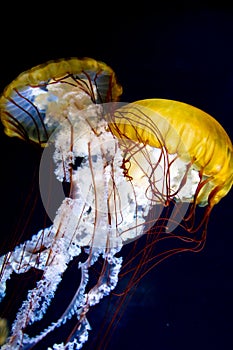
(181, 52)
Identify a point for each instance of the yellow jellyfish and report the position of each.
(137, 173)
(90, 81)
(186, 131)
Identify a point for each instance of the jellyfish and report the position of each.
(136, 172)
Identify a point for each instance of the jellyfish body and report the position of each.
(122, 161)
(186, 131)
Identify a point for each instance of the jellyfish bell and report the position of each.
(188, 132)
(135, 171)
(23, 102)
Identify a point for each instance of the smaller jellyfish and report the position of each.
(80, 82)
(136, 172)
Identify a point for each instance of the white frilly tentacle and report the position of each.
(83, 299)
(32, 253)
(40, 297)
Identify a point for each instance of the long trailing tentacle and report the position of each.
(83, 299)
(40, 297)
